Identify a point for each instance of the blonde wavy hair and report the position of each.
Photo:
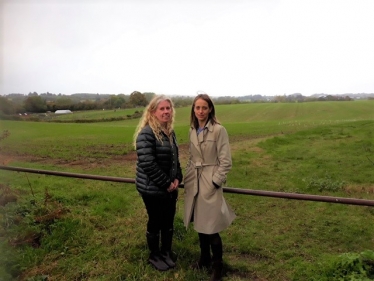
(148, 118)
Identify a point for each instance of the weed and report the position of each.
(348, 267)
(24, 224)
(4, 135)
(32, 220)
(7, 194)
(326, 183)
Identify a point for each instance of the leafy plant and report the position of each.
(349, 267)
(25, 224)
(326, 183)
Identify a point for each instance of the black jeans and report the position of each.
(161, 212)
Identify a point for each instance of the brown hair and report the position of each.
(212, 115)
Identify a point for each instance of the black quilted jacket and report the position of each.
(155, 161)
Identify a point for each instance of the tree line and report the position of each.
(48, 102)
(35, 103)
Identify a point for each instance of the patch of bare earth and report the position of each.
(126, 159)
(359, 189)
(84, 162)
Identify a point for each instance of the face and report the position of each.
(163, 112)
(202, 110)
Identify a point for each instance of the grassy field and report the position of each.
(73, 229)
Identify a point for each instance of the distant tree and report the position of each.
(35, 104)
(149, 96)
(280, 98)
(182, 101)
(122, 99)
(115, 101)
(64, 103)
(6, 106)
(137, 99)
(90, 105)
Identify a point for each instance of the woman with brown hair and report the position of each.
(207, 168)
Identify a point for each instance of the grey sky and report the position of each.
(223, 47)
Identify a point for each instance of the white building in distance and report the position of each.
(63, 111)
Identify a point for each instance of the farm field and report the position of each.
(75, 229)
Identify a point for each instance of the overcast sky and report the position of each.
(179, 47)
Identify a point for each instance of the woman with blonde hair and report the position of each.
(158, 174)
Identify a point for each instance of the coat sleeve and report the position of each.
(224, 157)
(179, 169)
(189, 150)
(146, 151)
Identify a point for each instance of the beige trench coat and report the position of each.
(210, 161)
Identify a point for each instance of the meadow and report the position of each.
(57, 228)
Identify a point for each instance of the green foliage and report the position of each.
(116, 101)
(26, 224)
(6, 106)
(348, 267)
(326, 183)
(138, 99)
(35, 104)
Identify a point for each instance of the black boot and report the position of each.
(205, 257)
(216, 244)
(166, 253)
(217, 250)
(155, 257)
(217, 271)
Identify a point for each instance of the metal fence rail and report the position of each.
(285, 195)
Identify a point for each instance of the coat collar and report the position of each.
(208, 125)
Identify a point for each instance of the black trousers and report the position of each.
(161, 212)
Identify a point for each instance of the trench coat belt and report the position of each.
(199, 165)
(198, 168)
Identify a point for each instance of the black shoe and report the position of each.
(217, 271)
(168, 258)
(157, 261)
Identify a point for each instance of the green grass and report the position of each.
(95, 230)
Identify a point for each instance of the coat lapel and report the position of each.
(195, 140)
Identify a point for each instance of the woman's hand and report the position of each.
(173, 186)
(176, 183)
